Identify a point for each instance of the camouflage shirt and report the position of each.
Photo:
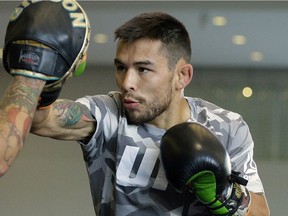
(125, 173)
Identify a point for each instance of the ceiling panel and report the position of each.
(263, 23)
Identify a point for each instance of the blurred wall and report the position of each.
(49, 176)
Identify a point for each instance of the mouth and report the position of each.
(130, 104)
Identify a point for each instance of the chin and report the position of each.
(136, 119)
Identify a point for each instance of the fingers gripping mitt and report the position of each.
(47, 40)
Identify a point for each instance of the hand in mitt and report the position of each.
(47, 40)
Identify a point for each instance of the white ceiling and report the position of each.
(264, 23)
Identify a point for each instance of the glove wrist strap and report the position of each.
(235, 198)
(29, 58)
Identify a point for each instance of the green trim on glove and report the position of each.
(204, 186)
(80, 69)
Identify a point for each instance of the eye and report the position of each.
(120, 68)
(143, 70)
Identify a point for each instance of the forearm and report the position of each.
(17, 107)
(259, 206)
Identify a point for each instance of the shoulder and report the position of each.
(112, 99)
(202, 107)
(224, 123)
(104, 107)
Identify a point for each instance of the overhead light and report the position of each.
(247, 92)
(239, 39)
(219, 21)
(101, 38)
(256, 56)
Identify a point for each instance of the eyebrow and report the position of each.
(147, 62)
(118, 62)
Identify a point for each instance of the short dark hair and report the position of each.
(158, 26)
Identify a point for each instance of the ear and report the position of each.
(185, 74)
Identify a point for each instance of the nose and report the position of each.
(128, 81)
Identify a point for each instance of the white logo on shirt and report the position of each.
(141, 179)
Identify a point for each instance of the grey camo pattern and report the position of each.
(135, 184)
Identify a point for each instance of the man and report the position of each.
(120, 133)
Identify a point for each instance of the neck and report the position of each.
(176, 114)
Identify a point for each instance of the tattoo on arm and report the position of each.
(12, 142)
(70, 113)
(17, 107)
(19, 104)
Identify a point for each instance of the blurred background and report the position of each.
(239, 55)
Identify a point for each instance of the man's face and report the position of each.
(144, 79)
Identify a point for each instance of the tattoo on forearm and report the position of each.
(22, 95)
(12, 142)
(17, 107)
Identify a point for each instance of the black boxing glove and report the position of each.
(47, 40)
(194, 160)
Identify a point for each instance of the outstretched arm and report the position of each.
(42, 55)
(17, 109)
